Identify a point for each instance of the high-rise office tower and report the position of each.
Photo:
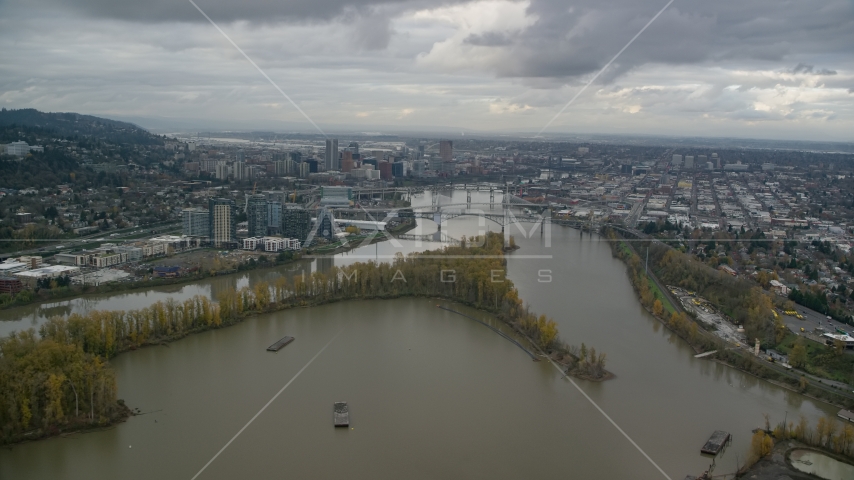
(256, 215)
(398, 169)
(223, 222)
(347, 161)
(446, 150)
(304, 170)
(355, 147)
(274, 217)
(280, 168)
(240, 170)
(296, 221)
(196, 222)
(385, 170)
(332, 154)
(222, 171)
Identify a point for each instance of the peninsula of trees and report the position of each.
(60, 379)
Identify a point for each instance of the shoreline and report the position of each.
(127, 412)
(701, 345)
(72, 429)
(236, 306)
(119, 288)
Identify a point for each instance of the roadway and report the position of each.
(49, 245)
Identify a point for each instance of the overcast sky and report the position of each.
(746, 68)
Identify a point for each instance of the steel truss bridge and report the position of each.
(514, 210)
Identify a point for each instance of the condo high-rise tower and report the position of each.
(332, 154)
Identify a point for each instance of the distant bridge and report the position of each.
(437, 236)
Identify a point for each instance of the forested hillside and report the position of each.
(74, 126)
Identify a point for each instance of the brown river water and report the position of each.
(432, 394)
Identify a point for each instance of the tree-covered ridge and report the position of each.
(77, 125)
(472, 274)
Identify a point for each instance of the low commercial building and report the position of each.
(274, 244)
(10, 285)
(270, 244)
(21, 148)
(832, 338)
(65, 259)
(278, 244)
(252, 243)
(153, 249)
(107, 259)
(30, 277)
(167, 272)
(337, 196)
(10, 267)
(134, 253)
(106, 255)
(779, 288)
(727, 269)
(176, 243)
(34, 261)
(367, 225)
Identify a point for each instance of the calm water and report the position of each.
(821, 465)
(432, 394)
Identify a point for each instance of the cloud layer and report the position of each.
(760, 68)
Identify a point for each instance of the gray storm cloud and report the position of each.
(578, 37)
(498, 64)
(152, 11)
(569, 38)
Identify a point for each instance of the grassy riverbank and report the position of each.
(463, 274)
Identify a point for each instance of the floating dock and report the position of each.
(716, 442)
(846, 415)
(706, 354)
(341, 414)
(280, 344)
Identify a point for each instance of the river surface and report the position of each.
(820, 465)
(432, 394)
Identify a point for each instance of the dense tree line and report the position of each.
(53, 167)
(106, 333)
(48, 386)
(828, 434)
(743, 301)
(680, 323)
(815, 301)
(44, 378)
(74, 125)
